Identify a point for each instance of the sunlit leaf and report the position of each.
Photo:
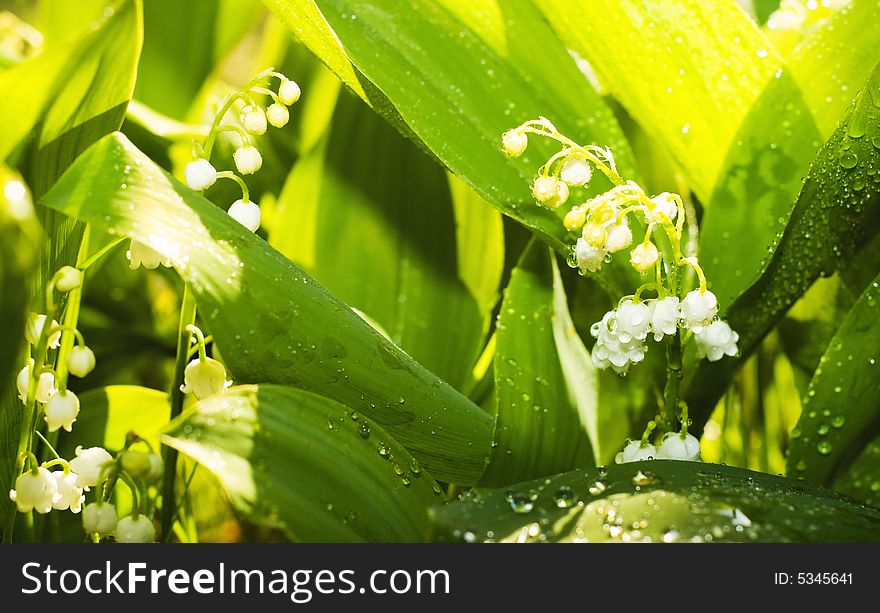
(307, 465)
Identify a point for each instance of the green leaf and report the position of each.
(545, 383)
(833, 214)
(458, 92)
(840, 410)
(860, 480)
(658, 501)
(184, 42)
(686, 70)
(383, 211)
(107, 414)
(272, 321)
(308, 465)
(19, 237)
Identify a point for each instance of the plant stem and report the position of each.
(673, 381)
(187, 318)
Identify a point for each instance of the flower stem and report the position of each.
(673, 381)
(184, 337)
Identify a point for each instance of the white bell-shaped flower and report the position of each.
(99, 518)
(247, 159)
(514, 143)
(698, 309)
(139, 254)
(253, 119)
(588, 258)
(88, 465)
(61, 411)
(619, 237)
(35, 490)
(635, 452)
(204, 377)
(200, 174)
(644, 256)
(157, 468)
(544, 189)
(716, 340)
(289, 91)
(576, 172)
(665, 203)
(70, 495)
(678, 447)
(278, 115)
(246, 213)
(80, 361)
(560, 197)
(34, 328)
(610, 351)
(664, 316)
(143, 465)
(633, 321)
(131, 529)
(23, 380)
(46, 387)
(68, 279)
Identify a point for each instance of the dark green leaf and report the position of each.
(308, 465)
(835, 211)
(546, 391)
(841, 413)
(272, 322)
(861, 480)
(658, 501)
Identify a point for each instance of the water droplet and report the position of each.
(597, 488)
(824, 448)
(848, 159)
(838, 421)
(414, 467)
(519, 503)
(822, 429)
(564, 497)
(383, 450)
(645, 477)
(364, 430)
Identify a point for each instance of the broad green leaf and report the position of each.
(184, 42)
(384, 212)
(458, 92)
(833, 214)
(479, 232)
(658, 501)
(840, 409)
(307, 465)
(861, 480)
(61, 21)
(688, 71)
(545, 383)
(762, 174)
(108, 414)
(833, 61)
(19, 236)
(272, 322)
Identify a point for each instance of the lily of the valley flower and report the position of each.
(514, 142)
(278, 115)
(576, 172)
(698, 309)
(204, 377)
(80, 361)
(61, 411)
(69, 494)
(140, 254)
(644, 256)
(678, 447)
(716, 340)
(68, 279)
(246, 213)
(253, 119)
(35, 490)
(131, 529)
(636, 452)
(200, 174)
(247, 159)
(88, 465)
(99, 518)
(664, 316)
(289, 91)
(34, 328)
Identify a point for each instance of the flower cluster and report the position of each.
(674, 446)
(203, 376)
(253, 120)
(650, 227)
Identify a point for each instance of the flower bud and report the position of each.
(619, 238)
(665, 203)
(136, 463)
(544, 189)
(254, 120)
(69, 496)
(200, 174)
(576, 172)
(23, 380)
(246, 213)
(278, 115)
(80, 361)
(89, 464)
(634, 452)
(135, 530)
(560, 197)
(61, 411)
(289, 92)
(644, 256)
(35, 490)
(698, 309)
(587, 257)
(34, 329)
(203, 378)
(99, 518)
(247, 160)
(595, 235)
(575, 219)
(513, 143)
(68, 279)
(678, 447)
